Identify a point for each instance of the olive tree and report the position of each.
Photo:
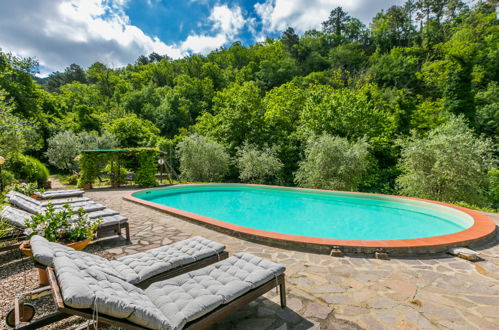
(65, 146)
(333, 162)
(449, 164)
(202, 159)
(257, 165)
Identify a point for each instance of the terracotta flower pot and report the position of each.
(115, 185)
(42, 274)
(87, 186)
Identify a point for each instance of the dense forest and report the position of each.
(408, 105)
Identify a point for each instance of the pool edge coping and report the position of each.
(483, 227)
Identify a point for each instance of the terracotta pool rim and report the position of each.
(483, 227)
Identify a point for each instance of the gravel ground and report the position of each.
(18, 275)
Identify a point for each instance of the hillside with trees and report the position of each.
(407, 105)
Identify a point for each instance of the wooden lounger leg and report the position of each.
(282, 291)
(18, 312)
(127, 231)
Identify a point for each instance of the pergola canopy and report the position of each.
(122, 151)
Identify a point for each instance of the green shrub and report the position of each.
(24, 188)
(73, 179)
(257, 165)
(333, 162)
(89, 169)
(449, 165)
(27, 169)
(145, 176)
(6, 177)
(202, 159)
(116, 174)
(493, 192)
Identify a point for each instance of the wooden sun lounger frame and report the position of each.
(209, 319)
(117, 228)
(17, 237)
(172, 272)
(203, 322)
(60, 315)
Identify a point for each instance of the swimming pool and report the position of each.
(320, 217)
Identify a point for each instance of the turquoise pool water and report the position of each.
(315, 214)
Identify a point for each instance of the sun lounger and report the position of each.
(140, 269)
(33, 206)
(111, 220)
(60, 201)
(193, 300)
(54, 194)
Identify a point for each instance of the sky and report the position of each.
(116, 32)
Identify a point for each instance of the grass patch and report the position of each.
(478, 208)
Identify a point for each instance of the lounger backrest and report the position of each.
(15, 216)
(89, 288)
(13, 198)
(26, 198)
(138, 267)
(44, 252)
(61, 194)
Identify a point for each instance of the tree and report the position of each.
(349, 113)
(394, 28)
(273, 73)
(131, 131)
(487, 113)
(87, 120)
(336, 22)
(172, 114)
(397, 69)
(15, 79)
(290, 42)
(65, 146)
(333, 162)
(74, 72)
(237, 116)
(450, 164)
(349, 57)
(257, 165)
(103, 77)
(341, 27)
(15, 133)
(202, 159)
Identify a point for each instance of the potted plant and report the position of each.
(65, 226)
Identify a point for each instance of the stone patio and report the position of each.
(437, 292)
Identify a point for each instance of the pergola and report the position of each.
(147, 160)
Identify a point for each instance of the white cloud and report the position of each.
(277, 15)
(226, 23)
(61, 32)
(201, 44)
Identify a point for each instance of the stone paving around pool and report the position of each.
(438, 292)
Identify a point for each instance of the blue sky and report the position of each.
(117, 32)
(173, 21)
